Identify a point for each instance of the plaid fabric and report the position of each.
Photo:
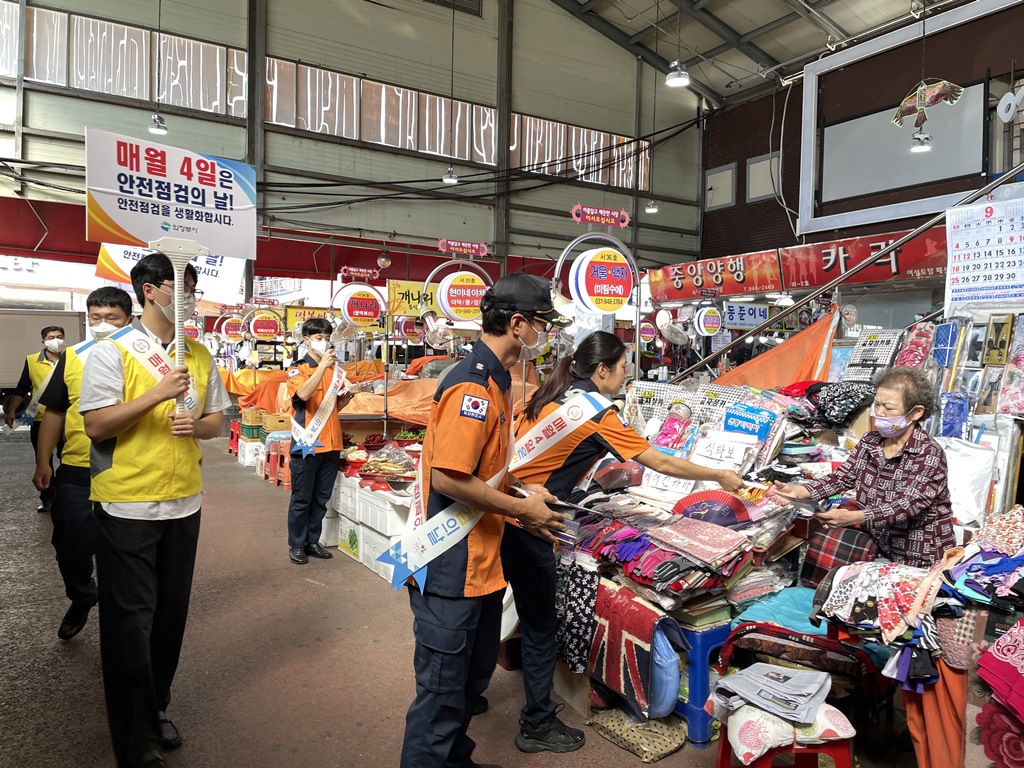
(833, 548)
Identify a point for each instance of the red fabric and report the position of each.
(416, 365)
(797, 390)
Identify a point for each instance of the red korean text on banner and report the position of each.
(462, 248)
(604, 217)
(756, 272)
(361, 308)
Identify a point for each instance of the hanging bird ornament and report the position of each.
(926, 94)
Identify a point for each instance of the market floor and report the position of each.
(283, 666)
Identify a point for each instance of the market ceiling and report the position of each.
(735, 51)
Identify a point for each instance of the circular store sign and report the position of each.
(232, 328)
(707, 321)
(265, 325)
(360, 306)
(648, 332)
(407, 328)
(601, 281)
(459, 295)
(191, 331)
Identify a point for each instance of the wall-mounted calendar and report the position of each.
(985, 243)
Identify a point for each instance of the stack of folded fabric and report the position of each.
(992, 568)
(1002, 667)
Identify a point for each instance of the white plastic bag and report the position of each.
(971, 470)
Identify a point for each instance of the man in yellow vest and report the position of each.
(108, 309)
(147, 486)
(34, 378)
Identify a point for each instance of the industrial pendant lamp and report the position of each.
(652, 207)
(677, 77)
(921, 142)
(157, 126)
(449, 176)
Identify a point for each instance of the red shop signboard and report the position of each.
(733, 276)
(815, 264)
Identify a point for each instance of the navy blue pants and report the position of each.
(312, 484)
(456, 650)
(74, 537)
(529, 565)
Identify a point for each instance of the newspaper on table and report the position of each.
(791, 694)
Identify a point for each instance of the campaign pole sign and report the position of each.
(220, 279)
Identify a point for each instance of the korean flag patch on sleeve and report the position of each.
(474, 407)
(293, 372)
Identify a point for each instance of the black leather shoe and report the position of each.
(315, 550)
(43, 509)
(170, 738)
(297, 556)
(479, 705)
(74, 621)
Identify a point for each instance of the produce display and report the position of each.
(411, 434)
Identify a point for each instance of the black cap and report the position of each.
(528, 295)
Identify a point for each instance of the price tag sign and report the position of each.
(986, 252)
(668, 483)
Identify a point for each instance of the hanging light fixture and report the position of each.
(384, 259)
(677, 76)
(157, 126)
(785, 300)
(652, 207)
(921, 142)
(449, 176)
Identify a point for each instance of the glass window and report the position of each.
(188, 73)
(109, 58)
(762, 177)
(279, 101)
(46, 55)
(9, 15)
(485, 135)
(720, 187)
(388, 115)
(328, 102)
(442, 122)
(589, 153)
(539, 146)
(237, 82)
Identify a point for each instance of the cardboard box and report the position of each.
(350, 538)
(375, 544)
(277, 422)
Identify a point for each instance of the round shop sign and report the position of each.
(232, 328)
(648, 332)
(360, 306)
(707, 321)
(601, 281)
(407, 328)
(191, 331)
(265, 325)
(459, 296)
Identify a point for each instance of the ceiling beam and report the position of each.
(620, 38)
(727, 33)
(818, 19)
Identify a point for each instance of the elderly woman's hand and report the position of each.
(840, 518)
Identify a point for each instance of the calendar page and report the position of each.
(986, 252)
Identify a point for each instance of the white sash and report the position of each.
(151, 355)
(423, 539)
(33, 405)
(307, 438)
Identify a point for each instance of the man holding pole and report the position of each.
(147, 487)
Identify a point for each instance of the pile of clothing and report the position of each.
(991, 571)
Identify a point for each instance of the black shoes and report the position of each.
(479, 705)
(297, 555)
(74, 621)
(43, 509)
(553, 736)
(170, 738)
(315, 550)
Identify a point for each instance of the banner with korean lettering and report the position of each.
(756, 272)
(404, 298)
(139, 191)
(220, 279)
(815, 264)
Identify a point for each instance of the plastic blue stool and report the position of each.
(702, 646)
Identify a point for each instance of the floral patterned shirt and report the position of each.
(905, 499)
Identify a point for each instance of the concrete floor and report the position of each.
(283, 666)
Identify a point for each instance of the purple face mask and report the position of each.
(890, 426)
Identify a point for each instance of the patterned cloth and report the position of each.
(831, 548)
(905, 499)
(706, 543)
(1002, 667)
(575, 600)
(1003, 534)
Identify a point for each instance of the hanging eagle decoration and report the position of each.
(926, 94)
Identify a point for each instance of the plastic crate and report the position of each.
(380, 515)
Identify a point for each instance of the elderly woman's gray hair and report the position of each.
(913, 385)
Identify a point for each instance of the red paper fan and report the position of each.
(718, 507)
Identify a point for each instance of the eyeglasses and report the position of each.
(195, 293)
(534, 319)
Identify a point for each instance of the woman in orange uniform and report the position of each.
(596, 371)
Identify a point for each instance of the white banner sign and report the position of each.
(740, 315)
(139, 191)
(220, 279)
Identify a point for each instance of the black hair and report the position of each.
(317, 325)
(50, 329)
(156, 269)
(109, 296)
(599, 347)
(493, 321)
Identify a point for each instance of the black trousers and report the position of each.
(74, 537)
(312, 484)
(530, 567)
(456, 650)
(144, 569)
(45, 497)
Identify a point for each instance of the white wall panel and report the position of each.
(564, 70)
(676, 160)
(8, 105)
(219, 21)
(405, 42)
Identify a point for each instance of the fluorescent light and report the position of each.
(677, 77)
(157, 126)
(450, 177)
(785, 300)
(774, 295)
(921, 142)
(652, 207)
(740, 298)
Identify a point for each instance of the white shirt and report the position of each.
(103, 386)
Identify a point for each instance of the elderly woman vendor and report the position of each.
(898, 474)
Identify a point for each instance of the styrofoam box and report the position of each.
(248, 453)
(381, 515)
(350, 538)
(344, 496)
(329, 532)
(373, 545)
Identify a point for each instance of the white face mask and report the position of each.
(189, 309)
(319, 347)
(533, 351)
(102, 330)
(54, 345)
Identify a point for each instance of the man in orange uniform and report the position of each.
(314, 383)
(466, 453)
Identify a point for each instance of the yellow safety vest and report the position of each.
(146, 463)
(39, 367)
(76, 442)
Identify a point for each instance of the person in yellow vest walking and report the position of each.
(147, 486)
(108, 309)
(34, 378)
